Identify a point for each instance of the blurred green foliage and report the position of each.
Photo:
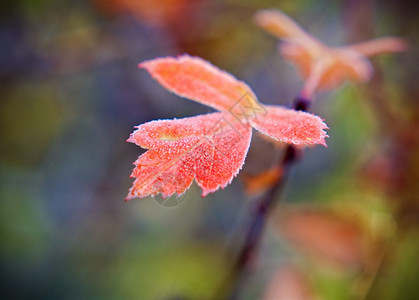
(30, 118)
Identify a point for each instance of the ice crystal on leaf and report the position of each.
(208, 148)
(324, 67)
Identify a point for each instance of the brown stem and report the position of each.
(263, 207)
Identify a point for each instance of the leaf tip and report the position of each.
(129, 197)
(147, 64)
(130, 139)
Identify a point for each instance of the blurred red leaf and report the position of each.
(209, 148)
(289, 283)
(154, 12)
(324, 67)
(336, 238)
(255, 184)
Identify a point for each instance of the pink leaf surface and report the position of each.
(290, 126)
(208, 148)
(196, 79)
(279, 24)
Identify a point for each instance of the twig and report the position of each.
(232, 284)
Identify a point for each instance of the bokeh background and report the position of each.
(71, 92)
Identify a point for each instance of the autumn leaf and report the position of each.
(289, 283)
(197, 80)
(321, 66)
(337, 237)
(209, 149)
(205, 148)
(255, 184)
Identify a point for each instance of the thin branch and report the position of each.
(234, 279)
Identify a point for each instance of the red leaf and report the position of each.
(209, 148)
(196, 79)
(337, 237)
(255, 184)
(290, 126)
